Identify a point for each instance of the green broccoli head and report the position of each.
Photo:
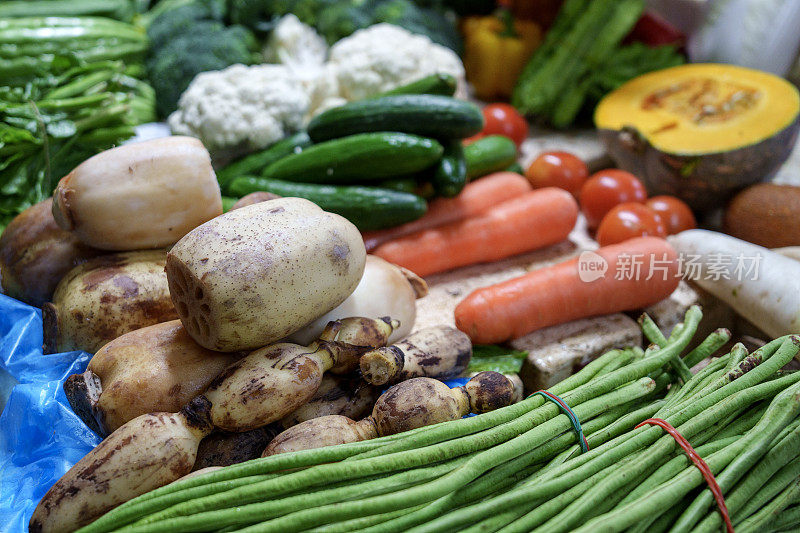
(209, 46)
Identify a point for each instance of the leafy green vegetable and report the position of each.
(189, 39)
(581, 60)
(49, 127)
(497, 358)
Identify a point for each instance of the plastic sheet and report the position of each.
(40, 436)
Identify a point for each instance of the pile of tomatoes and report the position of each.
(614, 201)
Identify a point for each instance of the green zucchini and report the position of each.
(440, 83)
(489, 154)
(259, 161)
(429, 115)
(367, 156)
(450, 175)
(369, 208)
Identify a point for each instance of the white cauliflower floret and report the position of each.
(241, 107)
(295, 44)
(385, 56)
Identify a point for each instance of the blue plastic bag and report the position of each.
(40, 437)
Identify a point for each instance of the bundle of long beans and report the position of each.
(520, 468)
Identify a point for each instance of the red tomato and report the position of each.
(629, 220)
(558, 169)
(608, 188)
(677, 216)
(503, 119)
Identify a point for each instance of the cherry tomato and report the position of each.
(677, 216)
(607, 188)
(503, 119)
(558, 169)
(629, 220)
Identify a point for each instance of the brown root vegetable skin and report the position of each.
(146, 453)
(142, 195)
(765, 214)
(106, 297)
(221, 448)
(152, 369)
(35, 254)
(439, 352)
(337, 395)
(408, 405)
(274, 381)
(259, 273)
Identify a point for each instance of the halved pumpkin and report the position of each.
(700, 131)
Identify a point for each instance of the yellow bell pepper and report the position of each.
(496, 49)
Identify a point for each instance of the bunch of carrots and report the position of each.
(500, 216)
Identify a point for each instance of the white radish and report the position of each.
(761, 285)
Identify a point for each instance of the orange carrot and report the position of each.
(574, 289)
(476, 197)
(530, 221)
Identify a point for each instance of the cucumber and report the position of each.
(441, 84)
(516, 167)
(369, 208)
(367, 156)
(450, 175)
(489, 154)
(259, 161)
(429, 115)
(399, 184)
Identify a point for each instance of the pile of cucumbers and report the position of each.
(375, 161)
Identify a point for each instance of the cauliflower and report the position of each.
(241, 107)
(385, 56)
(295, 45)
(300, 47)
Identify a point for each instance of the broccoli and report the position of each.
(429, 22)
(191, 39)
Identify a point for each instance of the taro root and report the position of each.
(156, 368)
(274, 381)
(254, 198)
(438, 352)
(142, 195)
(700, 132)
(106, 297)
(408, 405)
(35, 254)
(259, 273)
(385, 289)
(146, 453)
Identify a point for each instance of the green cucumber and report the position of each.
(399, 184)
(369, 208)
(450, 175)
(429, 115)
(259, 161)
(441, 84)
(367, 156)
(489, 154)
(515, 167)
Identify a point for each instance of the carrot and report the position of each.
(476, 197)
(562, 292)
(530, 221)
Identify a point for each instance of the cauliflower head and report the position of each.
(241, 107)
(295, 44)
(384, 56)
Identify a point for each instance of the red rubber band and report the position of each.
(699, 463)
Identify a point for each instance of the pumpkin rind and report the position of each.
(703, 159)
